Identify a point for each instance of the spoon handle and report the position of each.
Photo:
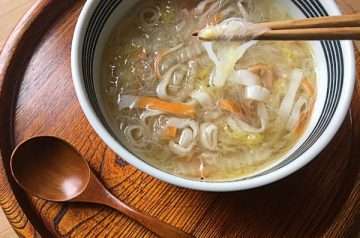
(97, 193)
(160, 228)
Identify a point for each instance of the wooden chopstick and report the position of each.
(340, 33)
(352, 20)
(345, 27)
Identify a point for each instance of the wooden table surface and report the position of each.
(10, 13)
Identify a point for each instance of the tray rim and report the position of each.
(8, 54)
(40, 10)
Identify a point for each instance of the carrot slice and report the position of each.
(170, 132)
(216, 19)
(229, 106)
(179, 109)
(308, 87)
(265, 72)
(300, 127)
(301, 124)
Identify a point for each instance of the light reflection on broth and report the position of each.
(214, 111)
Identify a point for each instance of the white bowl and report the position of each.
(335, 68)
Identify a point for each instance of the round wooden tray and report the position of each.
(37, 98)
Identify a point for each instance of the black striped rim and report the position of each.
(310, 8)
(335, 66)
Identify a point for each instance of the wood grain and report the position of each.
(10, 13)
(52, 169)
(350, 6)
(321, 200)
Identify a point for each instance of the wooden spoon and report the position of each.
(50, 168)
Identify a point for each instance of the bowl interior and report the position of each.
(103, 16)
(321, 70)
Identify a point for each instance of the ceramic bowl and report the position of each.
(335, 69)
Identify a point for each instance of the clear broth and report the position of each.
(128, 69)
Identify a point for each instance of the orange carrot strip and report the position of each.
(229, 106)
(216, 19)
(179, 109)
(170, 132)
(301, 124)
(308, 87)
(265, 72)
(300, 127)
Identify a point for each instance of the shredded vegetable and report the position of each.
(202, 97)
(244, 77)
(238, 125)
(300, 127)
(170, 132)
(126, 101)
(231, 28)
(180, 109)
(225, 60)
(189, 134)
(229, 106)
(248, 139)
(209, 136)
(289, 99)
(265, 72)
(307, 86)
(256, 93)
(296, 112)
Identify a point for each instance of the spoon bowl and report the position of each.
(52, 169)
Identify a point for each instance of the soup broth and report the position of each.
(201, 110)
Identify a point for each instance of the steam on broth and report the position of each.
(201, 110)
